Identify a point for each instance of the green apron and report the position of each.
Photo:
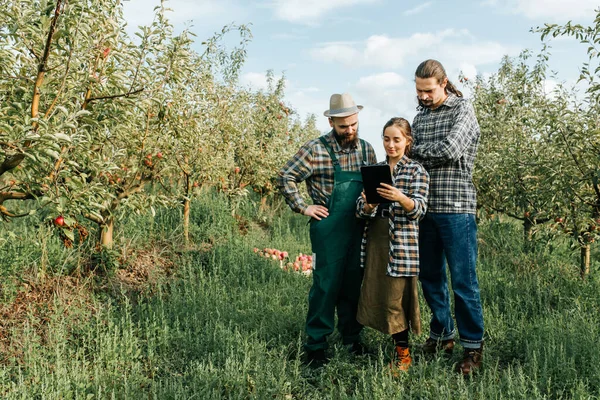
(337, 275)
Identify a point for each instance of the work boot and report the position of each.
(432, 346)
(471, 362)
(356, 349)
(402, 360)
(316, 358)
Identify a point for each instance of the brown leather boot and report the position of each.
(471, 362)
(432, 346)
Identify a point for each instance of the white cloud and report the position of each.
(457, 46)
(310, 11)
(418, 9)
(258, 81)
(468, 70)
(383, 80)
(548, 10)
(477, 53)
(310, 90)
(342, 52)
(557, 9)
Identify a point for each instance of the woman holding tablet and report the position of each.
(390, 245)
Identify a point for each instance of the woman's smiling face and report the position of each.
(394, 142)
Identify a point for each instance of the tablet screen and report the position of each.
(372, 176)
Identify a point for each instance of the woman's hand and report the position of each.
(390, 192)
(367, 208)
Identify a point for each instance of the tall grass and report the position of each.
(229, 324)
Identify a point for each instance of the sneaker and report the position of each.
(432, 346)
(402, 361)
(316, 358)
(471, 362)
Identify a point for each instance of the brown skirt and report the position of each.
(387, 304)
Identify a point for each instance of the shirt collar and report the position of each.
(402, 161)
(451, 101)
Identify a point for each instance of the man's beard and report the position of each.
(426, 105)
(344, 141)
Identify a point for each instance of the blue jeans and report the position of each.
(451, 238)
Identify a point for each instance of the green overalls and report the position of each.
(337, 275)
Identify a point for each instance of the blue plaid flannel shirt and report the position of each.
(445, 143)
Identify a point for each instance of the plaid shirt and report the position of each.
(410, 177)
(312, 164)
(445, 142)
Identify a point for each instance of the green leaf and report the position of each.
(51, 153)
(62, 136)
(69, 233)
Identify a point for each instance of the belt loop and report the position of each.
(385, 212)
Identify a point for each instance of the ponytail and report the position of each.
(434, 69)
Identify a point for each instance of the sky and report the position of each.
(371, 48)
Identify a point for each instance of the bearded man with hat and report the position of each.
(330, 166)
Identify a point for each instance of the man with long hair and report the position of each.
(446, 135)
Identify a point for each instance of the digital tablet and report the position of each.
(372, 177)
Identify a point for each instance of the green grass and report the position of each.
(229, 324)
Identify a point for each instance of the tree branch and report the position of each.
(114, 96)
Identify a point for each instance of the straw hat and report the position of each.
(341, 105)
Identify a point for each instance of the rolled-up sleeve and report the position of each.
(419, 190)
(295, 171)
(360, 209)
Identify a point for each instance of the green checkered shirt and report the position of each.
(313, 164)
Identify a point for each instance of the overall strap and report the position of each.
(334, 160)
(364, 151)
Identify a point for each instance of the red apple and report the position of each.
(59, 221)
(159, 155)
(237, 170)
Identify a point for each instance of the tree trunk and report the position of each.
(263, 203)
(527, 234)
(186, 220)
(585, 260)
(186, 207)
(106, 233)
